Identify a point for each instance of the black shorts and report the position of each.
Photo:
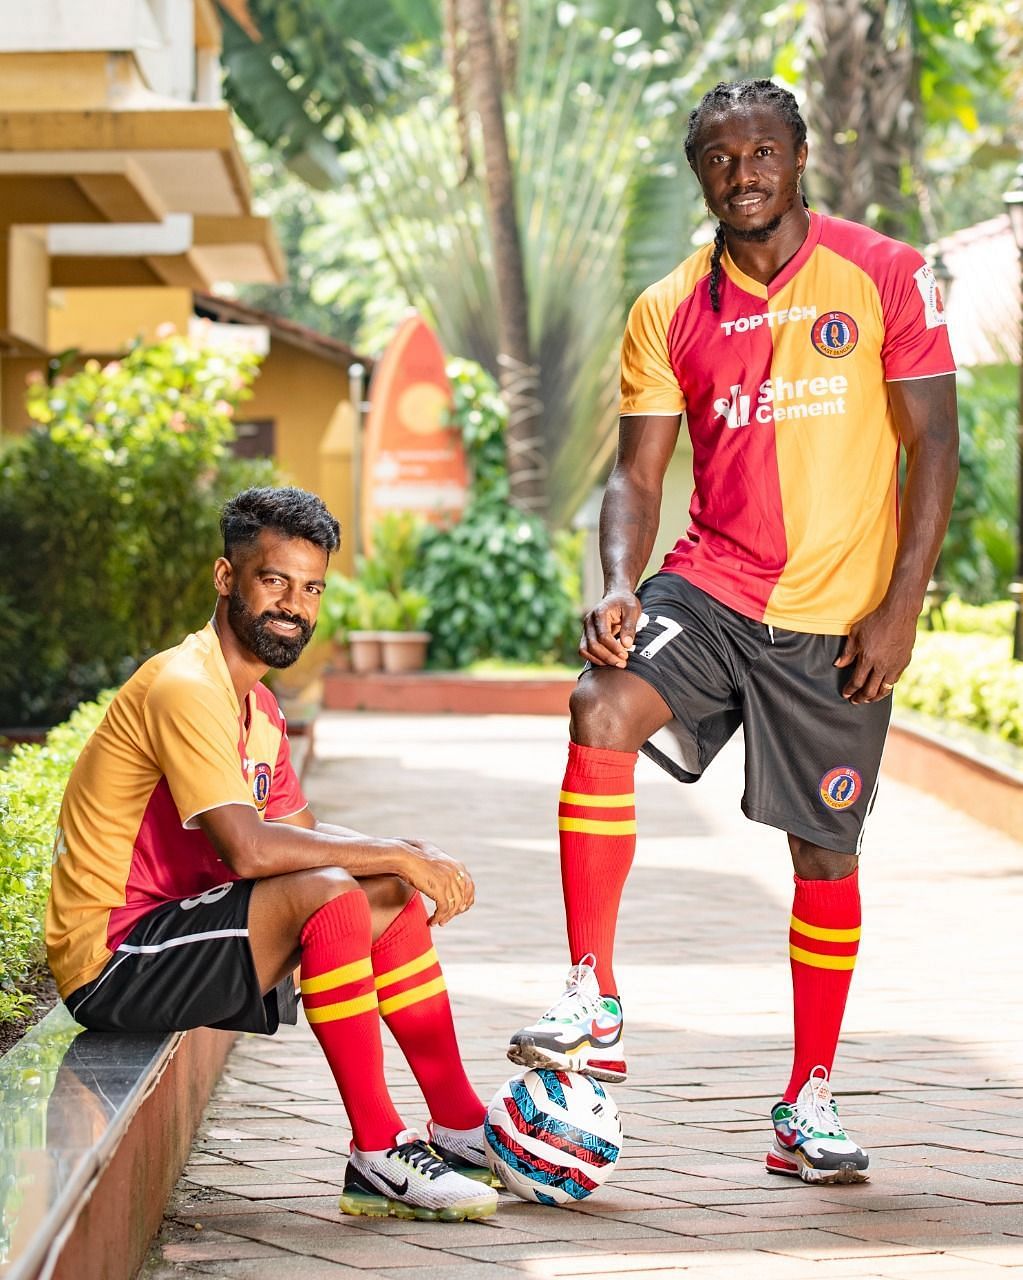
(812, 757)
(186, 964)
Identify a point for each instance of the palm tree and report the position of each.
(519, 374)
(862, 107)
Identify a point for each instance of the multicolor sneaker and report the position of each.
(464, 1151)
(809, 1141)
(582, 1032)
(410, 1180)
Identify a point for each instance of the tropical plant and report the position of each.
(881, 74)
(591, 106)
(979, 555)
(498, 585)
(109, 511)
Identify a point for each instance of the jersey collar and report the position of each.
(790, 269)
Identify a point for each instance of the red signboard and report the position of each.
(411, 460)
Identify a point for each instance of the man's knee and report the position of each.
(309, 891)
(615, 710)
(387, 893)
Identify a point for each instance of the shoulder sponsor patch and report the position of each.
(934, 306)
(835, 334)
(840, 787)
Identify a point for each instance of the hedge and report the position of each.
(31, 787)
(968, 678)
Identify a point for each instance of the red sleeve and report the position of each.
(286, 795)
(915, 334)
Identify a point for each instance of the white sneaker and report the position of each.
(809, 1141)
(409, 1180)
(581, 1032)
(463, 1150)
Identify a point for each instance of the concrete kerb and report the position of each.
(96, 1129)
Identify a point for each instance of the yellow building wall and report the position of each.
(14, 371)
(108, 321)
(303, 393)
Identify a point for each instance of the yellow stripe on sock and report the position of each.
(818, 961)
(343, 1009)
(594, 827)
(425, 961)
(598, 802)
(337, 977)
(412, 996)
(824, 935)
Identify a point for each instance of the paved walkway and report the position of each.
(930, 1073)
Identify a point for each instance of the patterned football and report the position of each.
(553, 1136)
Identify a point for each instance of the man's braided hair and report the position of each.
(724, 97)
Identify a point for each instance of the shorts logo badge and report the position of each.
(835, 334)
(839, 788)
(261, 786)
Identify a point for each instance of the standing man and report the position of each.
(190, 878)
(803, 350)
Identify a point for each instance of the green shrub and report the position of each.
(996, 619)
(31, 787)
(499, 585)
(109, 513)
(967, 678)
(978, 555)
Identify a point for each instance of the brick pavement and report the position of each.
(930, 1075)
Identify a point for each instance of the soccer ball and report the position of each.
(552, 1136)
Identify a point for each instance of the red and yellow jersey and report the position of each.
(795, 447)
(173, 744)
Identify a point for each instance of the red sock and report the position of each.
(341, 1007)
(597, 825)
(824, 936)
(414, 1003)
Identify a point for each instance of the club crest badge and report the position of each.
(840, 787)
(261, 785)
(835, 334)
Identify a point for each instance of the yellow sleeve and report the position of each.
(649, 384)
(193, 733)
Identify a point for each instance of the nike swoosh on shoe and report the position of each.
(399, 1188)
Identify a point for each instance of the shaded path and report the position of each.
(930, 1075)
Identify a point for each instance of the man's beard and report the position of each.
(252, 630)
(756, 235)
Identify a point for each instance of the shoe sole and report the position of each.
(797, 1166)
(359, 1204)
(531, 1056)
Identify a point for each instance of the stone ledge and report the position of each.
(956, 770)
(426, 692)
(95, 1130)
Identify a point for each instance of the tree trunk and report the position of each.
(862, 109)
(519, 376)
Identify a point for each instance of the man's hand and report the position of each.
(878, 648)
(609, 629)
(439, 876)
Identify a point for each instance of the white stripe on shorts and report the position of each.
(183, 941)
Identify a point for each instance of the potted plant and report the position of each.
(338, 617)
(373, 613)
(405, 642)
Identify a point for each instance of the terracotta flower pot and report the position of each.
(404, 650)
(366, 651)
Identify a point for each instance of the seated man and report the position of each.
(190, 878)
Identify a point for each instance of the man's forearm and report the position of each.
(932, 467)
(255, 849)
(629, 516)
